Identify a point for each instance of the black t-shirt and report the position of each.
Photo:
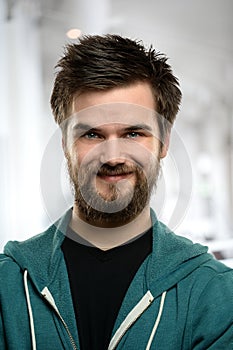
(99, 280)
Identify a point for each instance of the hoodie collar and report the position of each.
(173, 257)
(41, 254)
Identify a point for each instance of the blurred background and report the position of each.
(195, 195)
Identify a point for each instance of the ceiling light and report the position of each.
(73, 33)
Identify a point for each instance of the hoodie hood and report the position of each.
(44, 250)
(174, 258)
(177, 256)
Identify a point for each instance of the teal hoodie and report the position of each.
(181, 298)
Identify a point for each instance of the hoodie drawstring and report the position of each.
(157, 321)
(33, 336)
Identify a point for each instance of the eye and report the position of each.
(91, 135)
(133, 135)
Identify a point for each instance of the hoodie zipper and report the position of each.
(131, 318)
(49, 298)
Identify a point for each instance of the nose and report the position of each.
(112, 152)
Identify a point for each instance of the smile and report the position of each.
(115, 177)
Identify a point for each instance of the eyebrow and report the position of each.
(86, 127)
(139, 127)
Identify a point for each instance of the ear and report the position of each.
(64, 146)
(165, 146)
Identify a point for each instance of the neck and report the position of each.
(107, 238)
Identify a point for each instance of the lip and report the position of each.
(115, 178)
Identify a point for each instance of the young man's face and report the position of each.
(113, 151)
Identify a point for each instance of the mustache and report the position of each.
(118, 169)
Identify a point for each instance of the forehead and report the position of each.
(122, 114)
(129, 105)
(139, 93)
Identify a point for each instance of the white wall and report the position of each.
(196, 35)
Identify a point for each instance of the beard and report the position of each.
(122, 202)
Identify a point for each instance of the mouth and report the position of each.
(110, 178)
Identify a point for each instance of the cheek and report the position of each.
(146, 152)
(85, 153)
(79, 153)
(140, 152)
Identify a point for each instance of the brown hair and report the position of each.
(103, 62)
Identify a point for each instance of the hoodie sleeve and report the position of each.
(213, 317)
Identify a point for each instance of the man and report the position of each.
(109, 275)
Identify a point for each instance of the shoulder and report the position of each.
(212, 316)
(44, 242)
(210, 280)
(18, 254)
(10, 277)
(33, 246)
(213, 273)
(219, 281)
(7, 263)
(212, 293)
(215, 268)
